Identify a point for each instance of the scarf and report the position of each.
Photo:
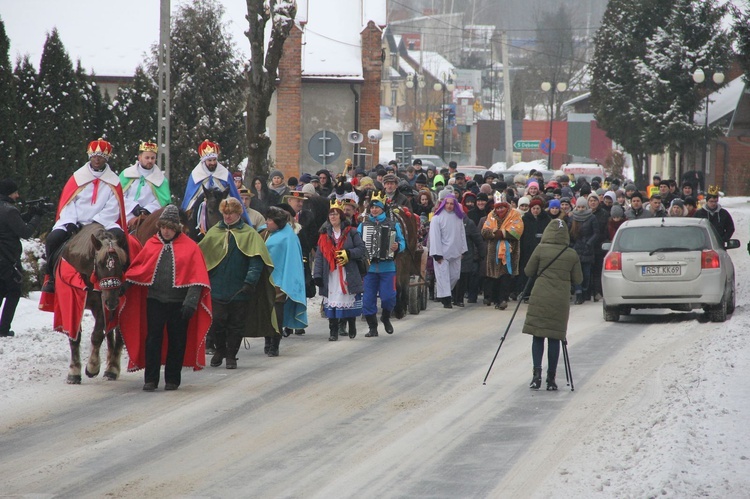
(513, 226)
(328, 247)
(582, 215)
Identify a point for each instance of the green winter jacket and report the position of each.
(549, 304)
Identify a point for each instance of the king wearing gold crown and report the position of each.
(209, 174)
(144, 186)
(92, 194)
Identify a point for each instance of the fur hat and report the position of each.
(390, 178)
(230, 206)
(170, 218)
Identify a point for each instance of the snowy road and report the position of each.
(659, 409)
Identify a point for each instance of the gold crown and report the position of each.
(337, 205)
(713, 190)
(378, 196)
(148, 147)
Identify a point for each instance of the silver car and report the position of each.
(675, 263)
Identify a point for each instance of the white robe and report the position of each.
(146, 198)
(82, 209)
(447, 239)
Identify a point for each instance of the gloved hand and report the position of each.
(318, 282)
(248, 288)
(144, 212)
(342, 257)
(37, 210)
(437, 258)
(187, 312)
(72, 228)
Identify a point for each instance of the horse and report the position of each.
(204, 215)
(94, 248)
(408, 262)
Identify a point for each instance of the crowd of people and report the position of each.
(281, 241)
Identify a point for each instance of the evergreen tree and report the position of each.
(59, 144)
(692, 37)
(25, 78)
(135, 114)
(95, 111)
(616, 73)
(8, 113)
(207, 90)
(742, 28)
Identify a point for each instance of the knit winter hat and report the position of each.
(276, 173)
(554, 203)
(170, 218)
(582, 202)
(523, 200)
(616, 211)
(8, 187)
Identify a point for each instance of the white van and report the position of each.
(584, 170)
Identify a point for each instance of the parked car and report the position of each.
(675, 263)
(471, 170)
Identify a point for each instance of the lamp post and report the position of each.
(411, 83)
(699, 76)
(551, 88)
(450, 86)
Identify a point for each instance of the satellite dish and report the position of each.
(355, 137)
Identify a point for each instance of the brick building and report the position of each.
(329, 86)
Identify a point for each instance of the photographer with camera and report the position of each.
(13, 227)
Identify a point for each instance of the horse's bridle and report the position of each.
(110, 283)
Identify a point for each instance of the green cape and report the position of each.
(162, 192)
(260, 318)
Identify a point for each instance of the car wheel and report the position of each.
(611, 314)
(732, 297)
(719, 312)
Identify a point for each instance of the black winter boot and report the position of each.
(233, 347)
(352, 328)
(551, 385)
(342, 327)
(273, 351)
(372, 323)
(536, 380)
(267, 348)
(446, 302)
(385, 318)
(333, 329)
(218, 356)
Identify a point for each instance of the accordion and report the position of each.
(378, 240)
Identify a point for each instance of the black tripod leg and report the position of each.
(566, 361)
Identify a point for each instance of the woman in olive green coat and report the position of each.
(549, 304)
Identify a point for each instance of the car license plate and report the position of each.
(658, 270)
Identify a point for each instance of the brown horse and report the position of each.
(93, 248)
(408, 262)
(190, 222)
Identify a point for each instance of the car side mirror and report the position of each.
(606, 246)
(732, 243)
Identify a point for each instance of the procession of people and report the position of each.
(195, 292)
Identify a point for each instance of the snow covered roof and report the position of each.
(576, 100)
(722, 102)
(433, 63)
(332, 42)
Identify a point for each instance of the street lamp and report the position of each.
(551, 87)
(410, 83)
(450, 86)
(699, 76)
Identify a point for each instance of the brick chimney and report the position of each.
(289, 105)
(372, 67)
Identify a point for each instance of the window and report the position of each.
(647, 239)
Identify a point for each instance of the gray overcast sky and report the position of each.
(110, 37)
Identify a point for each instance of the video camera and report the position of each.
(41, 205)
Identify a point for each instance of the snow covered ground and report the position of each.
(678, 432)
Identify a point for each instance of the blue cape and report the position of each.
(194, 189)
(289, 275)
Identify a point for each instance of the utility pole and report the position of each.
(506, 103)
(163, 100)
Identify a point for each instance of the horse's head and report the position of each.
(109, 267)
(213, 197)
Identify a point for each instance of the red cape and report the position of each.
(69, 300)
(190, 270)
(72, 188)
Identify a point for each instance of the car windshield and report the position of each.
(648, 239)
